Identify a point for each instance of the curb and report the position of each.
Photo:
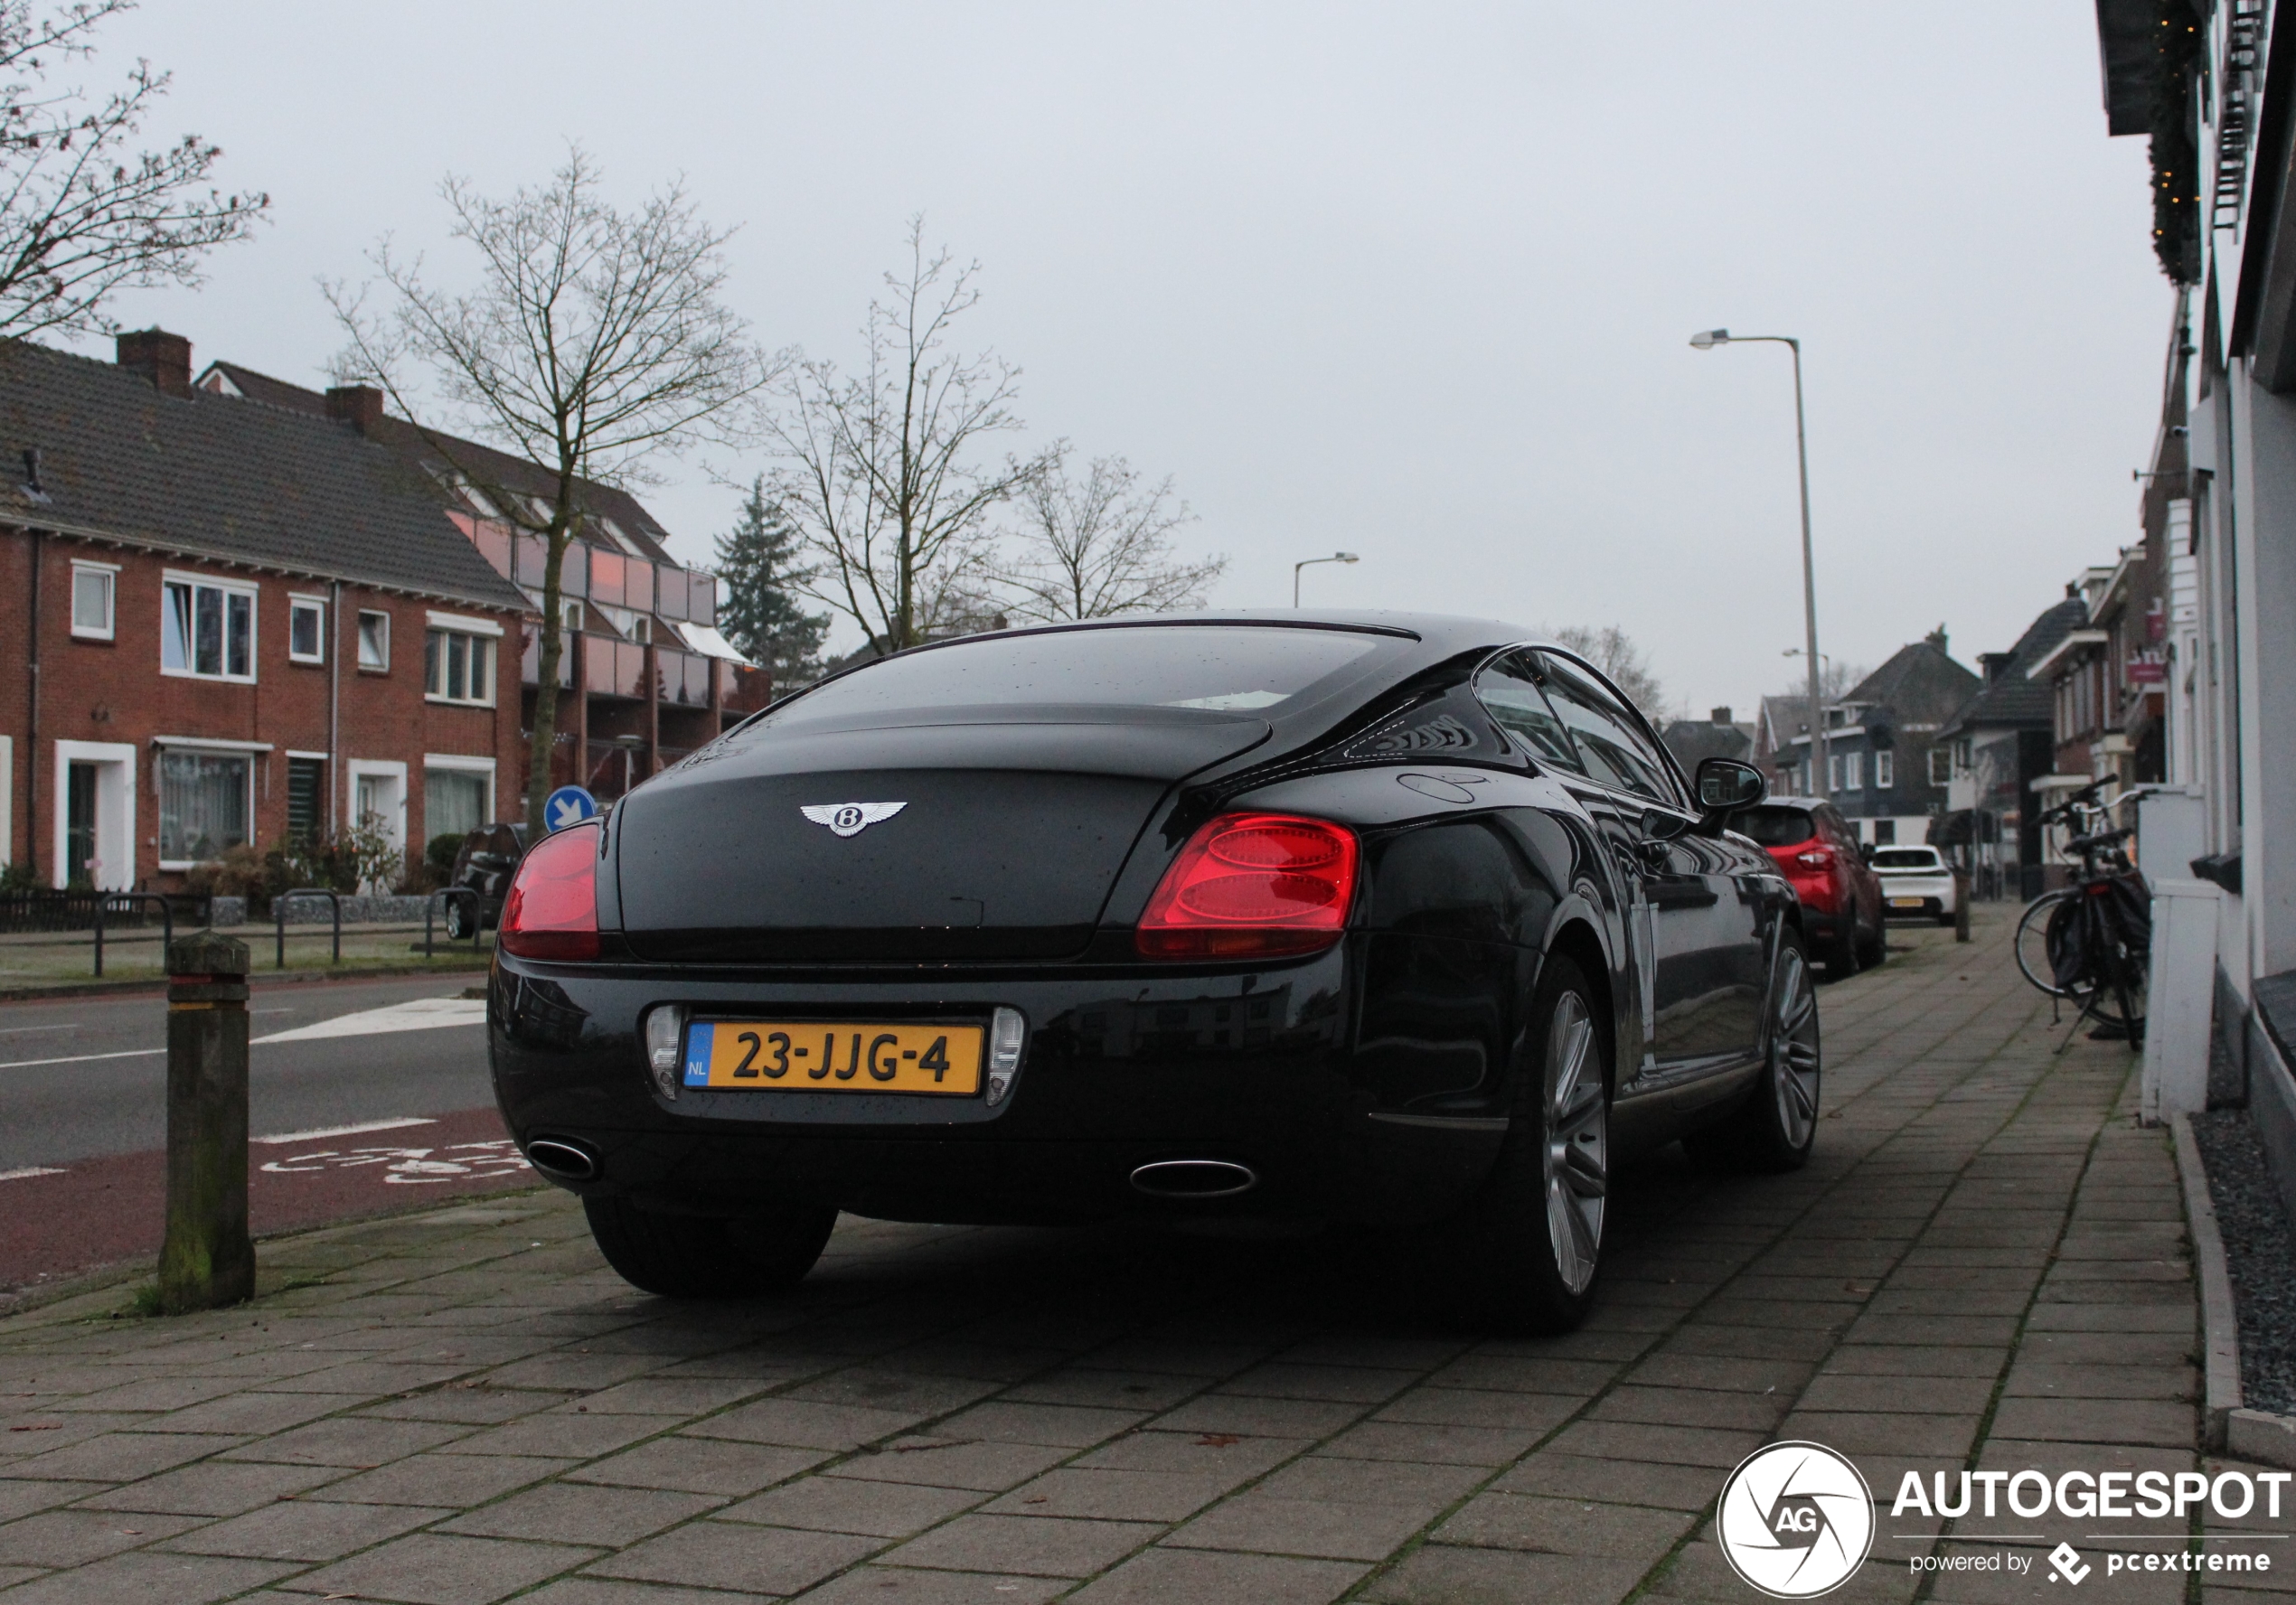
(259, 978)
(2228, 1427)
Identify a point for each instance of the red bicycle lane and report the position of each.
(55, 1224)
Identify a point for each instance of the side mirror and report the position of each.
(1726, 786)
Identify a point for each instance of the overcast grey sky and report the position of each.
(1414, 281)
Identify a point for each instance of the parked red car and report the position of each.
(1843, 914)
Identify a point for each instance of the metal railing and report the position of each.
(166, 920)
(279, 916)
(478, 918)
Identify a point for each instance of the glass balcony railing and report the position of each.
(593, 574)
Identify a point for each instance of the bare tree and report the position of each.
(881, 471)
(80, 216)
(1610, 650)
(1102, 546)
(595, 340)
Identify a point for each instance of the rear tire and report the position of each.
(1532, 1239)
(1777, 1125)
(686, 1256)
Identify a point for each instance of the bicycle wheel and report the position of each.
(2033, 944)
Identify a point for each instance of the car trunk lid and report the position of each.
(1009, 833)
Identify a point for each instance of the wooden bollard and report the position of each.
(207, 1259)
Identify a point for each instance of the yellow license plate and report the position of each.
(1905, 902)
(834, 1056)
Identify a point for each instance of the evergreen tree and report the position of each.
(759, 575)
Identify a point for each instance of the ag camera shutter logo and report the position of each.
(1796, 1520)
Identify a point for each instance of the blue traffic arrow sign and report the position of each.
(568, 805)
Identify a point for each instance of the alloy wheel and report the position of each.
(1794, 1050)
(1577, 1149)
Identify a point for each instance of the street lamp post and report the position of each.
(1334, 557)
(1818, 754)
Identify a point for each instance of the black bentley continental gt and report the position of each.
(1379, 918)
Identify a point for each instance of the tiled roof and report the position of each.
(2012, 701)
(219, 477)
(1919, 682)
(511, 473)
(1691, 740)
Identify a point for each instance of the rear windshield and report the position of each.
(1905, 857)
(1219, 668)
(1774, 827)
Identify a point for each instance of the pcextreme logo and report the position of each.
(1796, 1520)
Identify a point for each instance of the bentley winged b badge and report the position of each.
(849, 819)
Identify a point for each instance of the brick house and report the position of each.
(230, 623)
(645, 677)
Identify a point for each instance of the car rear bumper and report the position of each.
(1255, 1069)
(1922, 896)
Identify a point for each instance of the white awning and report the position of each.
(706, 640)
(210, 744)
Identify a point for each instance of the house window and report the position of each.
(203, 804)
(1941, 765)
(374, 642)
(455, 802)
(307, 631)
(1833, 772)
(307, 798)
(570, 620)
(1885, 770)
(207, 629)
(91, 600)
(458, 667)
(1853, 770)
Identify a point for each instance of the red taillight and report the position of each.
(552, 912)
(1253, 886)
(1815, 858)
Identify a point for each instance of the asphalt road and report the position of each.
(86, 1077)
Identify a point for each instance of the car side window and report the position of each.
(1510, 695)
(1617, 753)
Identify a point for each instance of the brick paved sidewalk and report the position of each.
(1984, 1264)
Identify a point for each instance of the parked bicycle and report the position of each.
(2090, 941)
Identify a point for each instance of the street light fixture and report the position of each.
(1334, 557)
(1707, 339)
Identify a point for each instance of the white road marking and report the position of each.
(133, 1053)
(28, 1030)
(27, 1172)
(322, 1132)
(422, 1014)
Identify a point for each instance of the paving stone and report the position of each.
(118, 1457)
(1616, 1481)
(1436, 1442)
(1230, 1459)
(701, 1466)
(305, 1530)
(988, 1468)
(740, 1556)
(1068, 1426)
(2097, 1420)
(74, 1537)
(442, 1569)
(1445, 1574)
(21, 1499)
(583, 1513)
(1634, 1440)
(1162, 1576)
(477, 1406)
(349, 1441)
(802, 1423)
(1260, 1418)
(1109, 1494)
(848, 1504)
(888, 1585)
(1031, 1545)
(1692, 1407)
(444, 1480)
(1493, 1520)
(149, 1577)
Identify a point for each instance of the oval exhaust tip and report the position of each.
(565, 1160)
(1195, 1179)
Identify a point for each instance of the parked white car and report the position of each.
(1916, 880)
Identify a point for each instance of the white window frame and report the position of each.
(8, 800)
(483, 638)
(458, 763)
(256, 753)
(1833, 773)
(1885, 770)
(298, 602)
(359, 638)
(109, 574)
(169, 578)
(1853, 770)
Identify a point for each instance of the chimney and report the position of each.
(1721, 716)
(1937, 638)
(360, 406)
(164, 359)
